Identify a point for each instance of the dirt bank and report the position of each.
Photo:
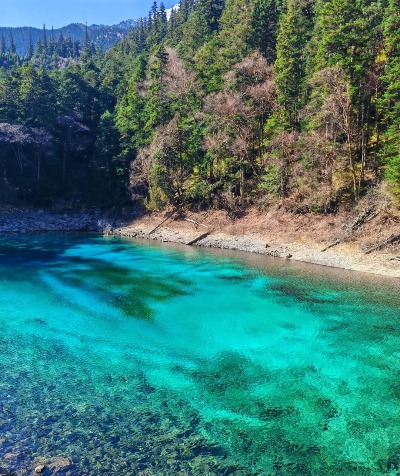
(285, 235)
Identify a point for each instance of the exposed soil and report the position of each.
(283, 234)
(278, 233)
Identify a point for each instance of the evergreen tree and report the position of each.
(293, 35)
(39, 49)
(345, 34)
(156, 110)
(162, 20)
(202, 23)
(265, 27)
(69, 47)
(11, 46)
(2, 45)
(129, 112)
(390, 103)
(30, 45)
(44, 38)
(61, 47)
(52, 43)
(88, 46)
(77, 49)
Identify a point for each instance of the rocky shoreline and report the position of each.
(348, 256)
(263, 234)
(31, 221)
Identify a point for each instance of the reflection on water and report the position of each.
(129, 358)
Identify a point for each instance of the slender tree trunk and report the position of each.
(242, 180)
(348, 128)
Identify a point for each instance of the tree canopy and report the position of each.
(226, 103)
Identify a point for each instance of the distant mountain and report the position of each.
(102, 36)
(169, 10)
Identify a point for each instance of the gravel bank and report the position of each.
(257, 234)
(29, 221)
(348, 256)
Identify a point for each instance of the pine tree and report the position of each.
(290, 71)
(210, 12)
(156, 110)
(2, 45)
(129, 112)
(11, 46)
(69, 47)
(88, 46)
(202, 24)
(30, 46)
(52, 43)
(390, 103)
(61, 46)
(265, 27)
(162, 21)
(44, 38)
(39, 47)
(76, 49)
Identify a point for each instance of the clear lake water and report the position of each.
(130, 358)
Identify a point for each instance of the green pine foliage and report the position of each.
(390, 103)
(228, 103)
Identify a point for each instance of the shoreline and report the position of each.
(347, 256)
(14, 221)
(297, 238)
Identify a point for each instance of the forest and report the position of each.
(225, 104)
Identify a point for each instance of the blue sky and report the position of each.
(59, 13)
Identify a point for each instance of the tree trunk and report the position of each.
(241, 183)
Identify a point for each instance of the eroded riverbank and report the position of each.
(301, 238)
(296, 237)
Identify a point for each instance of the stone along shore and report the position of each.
(30, 221)
(267, 238)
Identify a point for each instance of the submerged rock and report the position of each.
(5, 472)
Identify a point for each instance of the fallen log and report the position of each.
(367, 215)
(199, 238)
(337, 242)
(169, 216)
(195, 223)
(383, 244)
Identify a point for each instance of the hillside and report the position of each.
(222, 105)
(102, 36)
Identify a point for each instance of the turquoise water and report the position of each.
(132, 359)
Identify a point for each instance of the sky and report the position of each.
(59, 13)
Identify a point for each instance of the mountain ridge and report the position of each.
(102, 35)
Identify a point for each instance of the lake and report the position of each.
(131, 358)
